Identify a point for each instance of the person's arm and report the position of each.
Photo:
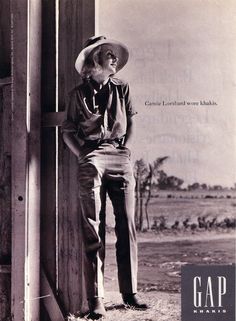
(71, 142)
(129, 132)
(69, 127)
(130, 119)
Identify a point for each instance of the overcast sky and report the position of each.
(180, 51)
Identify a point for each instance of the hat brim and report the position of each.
(120, 49)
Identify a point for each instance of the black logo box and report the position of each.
(211, 285)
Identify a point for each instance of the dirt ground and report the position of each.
(160, 261)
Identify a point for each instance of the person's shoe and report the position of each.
(132, 301)
(96, 308)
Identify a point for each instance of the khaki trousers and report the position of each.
(108, 169)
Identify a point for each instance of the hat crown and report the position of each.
(93, 40)
(120, 49)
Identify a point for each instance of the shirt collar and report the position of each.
(97, 86)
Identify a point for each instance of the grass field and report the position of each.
(188, 205)
(163, 253)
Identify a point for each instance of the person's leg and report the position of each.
(120, 187)
(92, 201)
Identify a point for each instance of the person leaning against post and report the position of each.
(98, 129)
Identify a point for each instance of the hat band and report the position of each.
(93, 41)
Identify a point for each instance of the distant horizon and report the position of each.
(186, 184)
(180, 52)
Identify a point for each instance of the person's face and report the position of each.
(108, 59)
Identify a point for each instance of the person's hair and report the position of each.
(92, 64)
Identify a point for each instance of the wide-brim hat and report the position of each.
(120, 49)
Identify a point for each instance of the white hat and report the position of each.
(121, 51)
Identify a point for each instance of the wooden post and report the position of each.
(33, 129)
(26, 63)
(19, 158)
(48, 153)
(76, 24)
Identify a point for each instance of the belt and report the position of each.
(97, 142)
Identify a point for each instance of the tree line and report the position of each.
(150, 177)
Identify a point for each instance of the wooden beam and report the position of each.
(5, 81)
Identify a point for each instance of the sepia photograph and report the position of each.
(117, 160)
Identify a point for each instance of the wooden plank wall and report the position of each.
(61, 253)
(76, 25)
(5, 203)
(5, 161)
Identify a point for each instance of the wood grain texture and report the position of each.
(70, 242)
(26, 109)
(19, 161)
(53, 119)
(5, 81)
(5, 295)
(70, 40)
(48, 71)
(5, 163)
(49, 300)
(32, 256)
(76, 25)
(48, 150)
(5, 202)
(5, 175)
(48, 203)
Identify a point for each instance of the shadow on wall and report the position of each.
(5, 39)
